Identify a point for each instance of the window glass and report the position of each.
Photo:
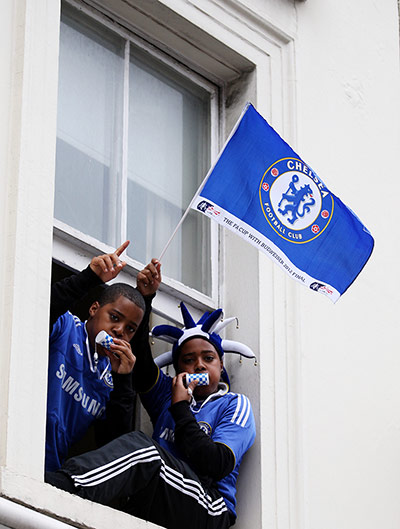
(133, 145)
(89, 128)
(168, 156)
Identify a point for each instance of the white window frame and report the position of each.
(69, 242)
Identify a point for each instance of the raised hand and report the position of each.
(149, 279)
(108, 266)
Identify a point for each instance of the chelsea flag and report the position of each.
(262, 190)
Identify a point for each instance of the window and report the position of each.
(133, 145)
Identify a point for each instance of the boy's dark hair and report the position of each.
(112, 292)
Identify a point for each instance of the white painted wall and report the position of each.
(325, 392)
(347, 64)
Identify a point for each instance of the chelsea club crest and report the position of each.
(108, 379)
(295, 202)
(205, 427)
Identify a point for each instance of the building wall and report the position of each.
(325, 391)
(348, 128)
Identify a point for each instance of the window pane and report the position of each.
(89, 128)
(168, 157)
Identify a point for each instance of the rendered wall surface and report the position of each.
(326, 392)
(347, 64)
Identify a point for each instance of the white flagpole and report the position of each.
(203, 182)
(182, 219)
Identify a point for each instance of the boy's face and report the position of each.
(200, 356)
(120, 319)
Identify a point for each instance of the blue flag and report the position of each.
(262, 190)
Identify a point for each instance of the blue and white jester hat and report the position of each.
(208, 327)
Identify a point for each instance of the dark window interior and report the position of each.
(80, 308)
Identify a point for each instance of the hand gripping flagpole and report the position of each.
(202, 184)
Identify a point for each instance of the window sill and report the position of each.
(30, 504)
(75, 249)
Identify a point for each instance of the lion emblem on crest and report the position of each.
(295, 199)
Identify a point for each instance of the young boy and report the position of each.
(186, 475)
(85, 380)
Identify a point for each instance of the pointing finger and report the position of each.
(122, 248)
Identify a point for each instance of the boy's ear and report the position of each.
(94, 308)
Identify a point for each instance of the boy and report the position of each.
(85, 379)
(186, 475)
